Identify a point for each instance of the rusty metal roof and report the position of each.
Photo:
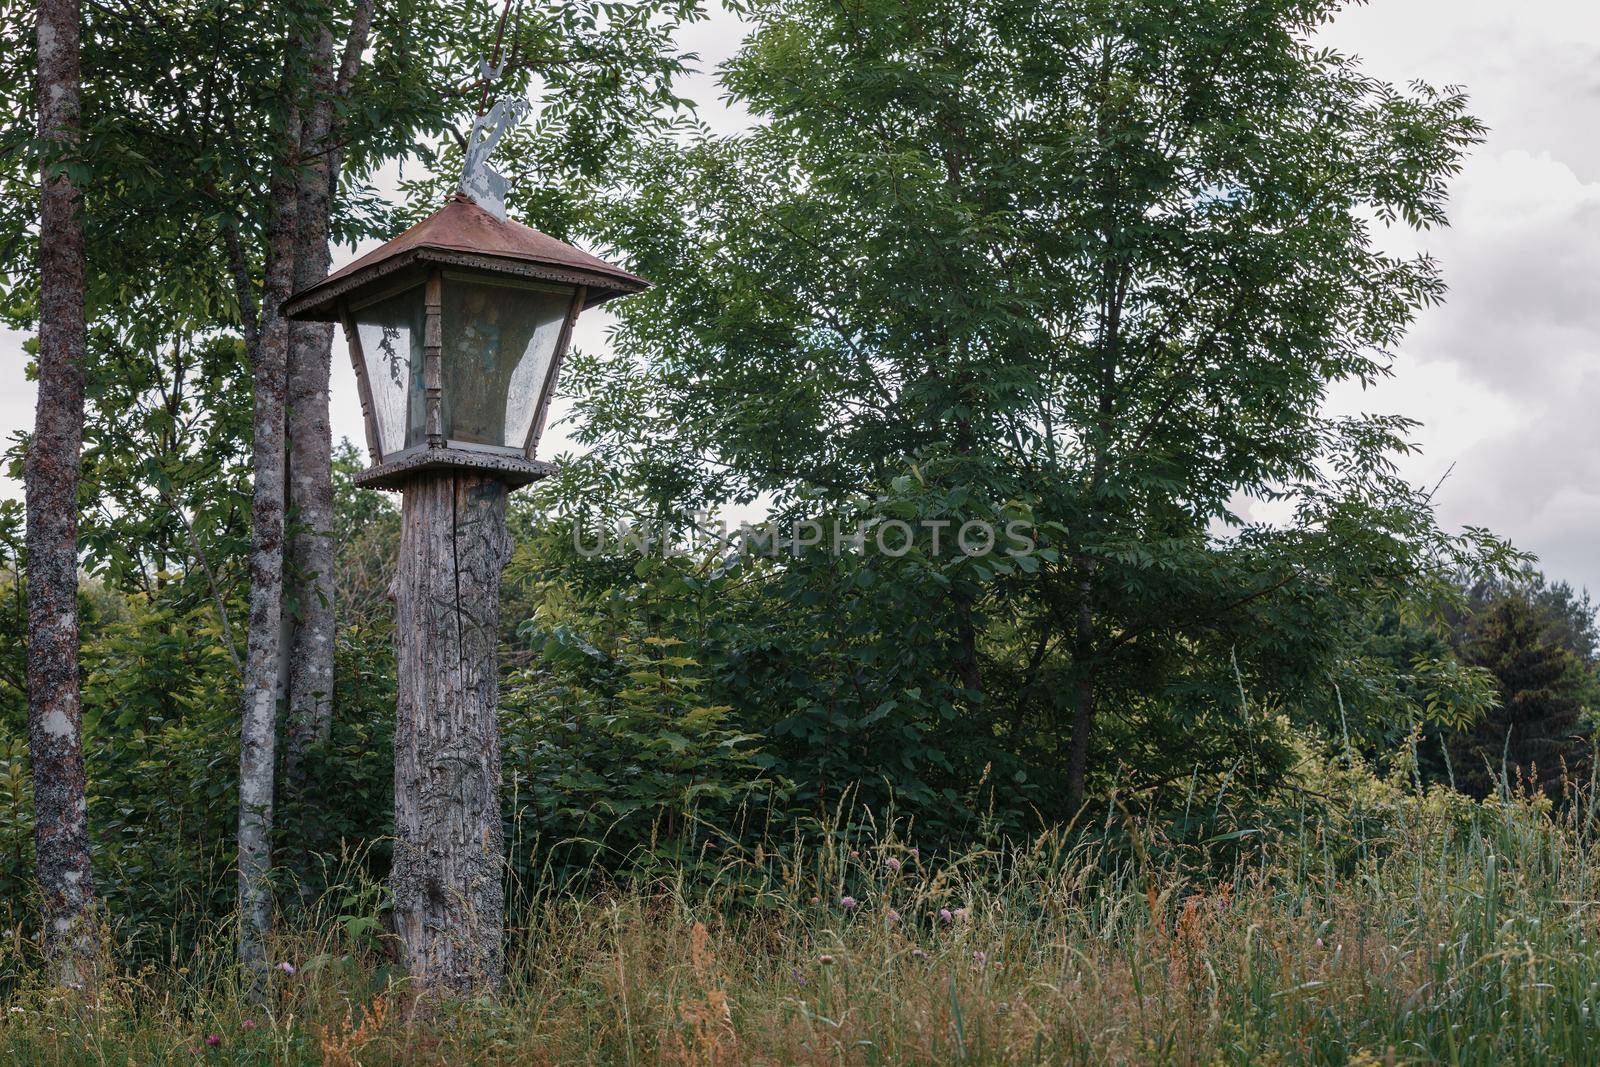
(464, 234)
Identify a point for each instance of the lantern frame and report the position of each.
(473, 245)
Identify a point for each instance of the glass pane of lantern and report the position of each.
(391, 343)
(499, 340)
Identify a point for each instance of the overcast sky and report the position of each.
(1506, 375)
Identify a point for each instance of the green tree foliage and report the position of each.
(1087, 268)
(1091, 264)
(160, 704)
(183, 105)
(1538, 642)
(630, 767)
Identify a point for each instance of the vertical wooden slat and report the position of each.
(548, 389)
(433, 360)
(358, 358)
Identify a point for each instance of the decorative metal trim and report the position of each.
(602, 286)
(607, 285)
(517, 285)
(481, 183)
(513, 470)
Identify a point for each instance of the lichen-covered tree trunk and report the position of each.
(258, 738)
(55, 714)
(447, 875)
(311, 549)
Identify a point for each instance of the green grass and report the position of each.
(1398, 929)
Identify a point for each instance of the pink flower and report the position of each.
(847, 903)
(1319, 942)
(980, 959)
(960, 914)
(892, 863)
(946, 916)
(248, 1024)
(893, 917)
(916, 854)
(286, 967)
(213, 1040)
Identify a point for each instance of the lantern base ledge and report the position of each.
(396, 472)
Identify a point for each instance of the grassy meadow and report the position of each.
(1379, 926)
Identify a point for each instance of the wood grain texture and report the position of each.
(449, 896)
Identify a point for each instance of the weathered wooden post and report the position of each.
(457, 329)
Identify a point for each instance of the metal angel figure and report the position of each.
(485, 186)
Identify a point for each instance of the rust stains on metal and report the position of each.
(465, 234)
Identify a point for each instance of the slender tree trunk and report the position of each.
(311, 548)
(310, 688)
(55, 714)
(447, 875)
(309, 628)
(258, 715)
(967, 648)
(1084, 711)
(310, 484)
(1115, 279)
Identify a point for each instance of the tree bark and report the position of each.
(447, 875)
(55, 713)
(1078, 754)
(258, 714)
(1084, 712)
(310, 485)
(311, 548)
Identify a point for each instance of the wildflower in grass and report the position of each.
(893, 865)
(960, 915)
(892, 917)
(1319, 943)
(848, 903)
(798, 977)
(248, 1024)
(916, 854)
(919, 954)
(946, 916)
(213, 1040)
(825, 959)
(980, 960)
(286, 967)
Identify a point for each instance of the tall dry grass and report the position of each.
(1385, 928)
